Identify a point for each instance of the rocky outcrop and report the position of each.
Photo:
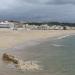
(10, 58)
(20, 64)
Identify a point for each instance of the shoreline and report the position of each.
(30, 43)
(30, 38)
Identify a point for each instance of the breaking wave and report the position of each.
(62, 37)
(56, 45)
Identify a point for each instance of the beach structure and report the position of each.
(52, 27)
(4, 24)
(58, 27)
(7, 24)
(73, 28)
(17, 25)
(65, 27)
(68, 27)
(44, 27)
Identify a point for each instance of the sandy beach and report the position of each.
(10, 38)
(38, 54)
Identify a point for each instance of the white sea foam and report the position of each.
(26, 66)
(62, 37)
(56, 45)
(29, 66)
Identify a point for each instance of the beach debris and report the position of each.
(9, 58)
(20, 64)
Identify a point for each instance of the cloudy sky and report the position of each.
(38, 10)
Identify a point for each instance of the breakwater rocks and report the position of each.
(20, 64)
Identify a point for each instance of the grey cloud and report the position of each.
(42, 10)
(49, 1)
(61, 2)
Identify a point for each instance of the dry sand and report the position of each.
(10, 38)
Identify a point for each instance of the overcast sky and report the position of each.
(38, 10)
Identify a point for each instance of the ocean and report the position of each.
(56, 57)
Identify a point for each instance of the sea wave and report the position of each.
(56, 45)
(26, 66)
(62, 37)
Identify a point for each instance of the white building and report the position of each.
(7, 24)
